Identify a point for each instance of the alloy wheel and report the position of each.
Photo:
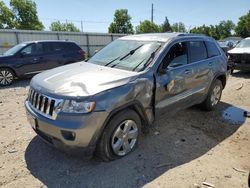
(6, 77)
(216, 94)
(124, 137)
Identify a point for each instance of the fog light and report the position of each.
(68, 135)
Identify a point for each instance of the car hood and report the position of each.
(240, 51)
(80, 79)
(5, 57)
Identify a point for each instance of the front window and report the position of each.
(244, 44)
(14, 49)
(127, 54)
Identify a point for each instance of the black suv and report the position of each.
(29, 58)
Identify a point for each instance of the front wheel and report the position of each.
(6, 77)
(214, 96)
(120, 137)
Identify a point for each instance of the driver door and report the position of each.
(31, 59)
(174, 82)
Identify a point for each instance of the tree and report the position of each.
(147, 27)
(58, 26)
(225, 29)
(26, 15)
(121, 23)
(6, 17)
(179, 27)
(166, 27)
(243, 27)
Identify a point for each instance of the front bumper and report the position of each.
(74, 134)
(241, 66)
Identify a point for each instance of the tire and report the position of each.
(115, 142)
(214, 96)
(6, 76)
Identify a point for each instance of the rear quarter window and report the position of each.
(212, 49)
(197, 51)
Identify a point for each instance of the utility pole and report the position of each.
(81, 25)
(152, 13)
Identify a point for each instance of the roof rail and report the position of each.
(191, 34)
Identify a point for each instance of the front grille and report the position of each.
(43, 104)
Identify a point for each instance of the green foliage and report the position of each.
(58, 26)
(166, 27)
(6, 17)
(243, 27)
(148, 27)
(179, 27)
(121, 23)
(223, 30)
(26, 15)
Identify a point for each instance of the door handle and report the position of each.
(37, 59)
(210, 63)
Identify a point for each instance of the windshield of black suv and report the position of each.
(244, 44)
(15, 49)
(127, 54)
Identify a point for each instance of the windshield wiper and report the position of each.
(123, 57)
(131, 52)
(149, 59)
(112, 61)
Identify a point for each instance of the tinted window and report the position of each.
(177, 56)
(212, 49)
(33, 49)
(58, 47)
(197, 50)
(72, 46)
(47, 47)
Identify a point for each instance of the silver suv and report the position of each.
(101, 106)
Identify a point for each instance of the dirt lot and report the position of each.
(186, 150)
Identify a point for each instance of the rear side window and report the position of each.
(212, 49)
(72, 46)
(197, 51)
(58, 47)
(47, 47)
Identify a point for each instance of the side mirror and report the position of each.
(96, 51)
(162, 71)
(22, 54)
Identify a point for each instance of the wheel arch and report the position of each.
(6, 67)
(136, 106)
(222, 78)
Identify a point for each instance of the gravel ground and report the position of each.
(189, 149)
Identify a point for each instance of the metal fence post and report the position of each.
(17, 38)
(58, 36)
(88, 49)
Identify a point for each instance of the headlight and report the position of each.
(72, 106)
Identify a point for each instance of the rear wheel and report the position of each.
(214, 96)
(120, 137)
(6, 77)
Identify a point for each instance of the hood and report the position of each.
(5, 57)
(81, 79)
(240, 51)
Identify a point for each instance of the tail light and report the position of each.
(82, 53)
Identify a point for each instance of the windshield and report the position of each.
(244, 44)
(15, 49)
(127, 54)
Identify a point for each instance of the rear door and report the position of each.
(202, 65)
